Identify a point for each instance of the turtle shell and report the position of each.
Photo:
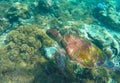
(83, 52)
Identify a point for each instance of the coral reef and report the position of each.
(47, 6)
(108, 15)
(27, 39)
(111, 43)
(21, 52)
(29, 55)
(4, 28)
(4, 25)
(17, 12)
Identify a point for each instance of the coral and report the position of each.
(46, 6)
(100, 73)
(22, 57)
(17, 12)
(108, 15)
(26, 42)
(115, 76)
(21, 52)
(2, 39)
(4, 25)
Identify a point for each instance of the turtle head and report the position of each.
(54, 34)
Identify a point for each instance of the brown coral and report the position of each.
(26, 41)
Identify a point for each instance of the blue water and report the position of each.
(29, 55)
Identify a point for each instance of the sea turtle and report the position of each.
(80, 50)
